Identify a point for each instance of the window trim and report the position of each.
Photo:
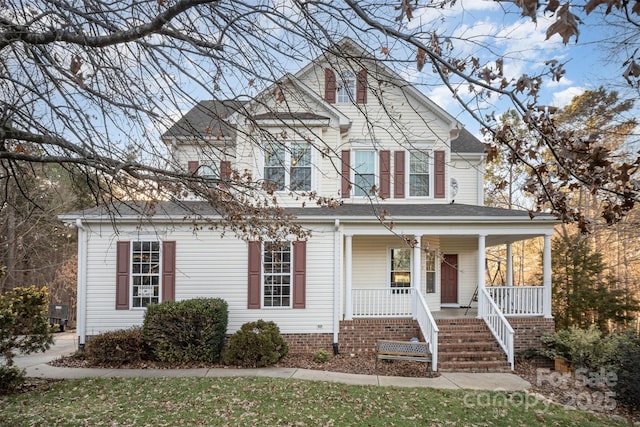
(287, 165)
(398, 289)
(264, 274)
(346, 87)
(435, 271)
(430, 152)
(144, 239)
(376, 172)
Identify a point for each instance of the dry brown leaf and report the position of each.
(552, 6)
(592, 4)
(385, 50)
(633, 70)
(529, 8)
(566, 25)
(636, 8)
(421, 58)
(76, 63)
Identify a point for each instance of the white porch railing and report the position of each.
(518, 300)
(428, 327)
(498, 324)
(382, 302)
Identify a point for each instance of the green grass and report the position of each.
(272, 402)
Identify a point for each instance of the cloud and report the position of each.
(564, 98)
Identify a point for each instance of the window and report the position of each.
(430, 271)
(274, 170)
(145, 273)
(346, 87)
(300, 167)
(364, 167)
(209, 173)
(400, 269)
(276, 258)
(419, 166)
(288, 167)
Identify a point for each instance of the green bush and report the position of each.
(11, 378)
(256, 344)
(627, 387)
(321, 356)
(116, 348)
(578, 346)
(187, 331)
(24, 328)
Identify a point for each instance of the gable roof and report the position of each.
(466, 143)
(207, 119)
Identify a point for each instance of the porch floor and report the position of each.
(455, 313)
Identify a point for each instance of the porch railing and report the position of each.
(518, 300)
(428, 327)
(382, 302)
(498, 324)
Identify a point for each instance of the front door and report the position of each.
(449, 279)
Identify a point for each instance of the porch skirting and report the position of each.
(361, 335)
(528, 332)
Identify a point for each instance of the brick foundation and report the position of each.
(360, 335)
(528, 333)
(308, 343)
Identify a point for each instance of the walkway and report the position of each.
(65, 344)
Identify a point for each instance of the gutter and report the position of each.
(337, 239)
(81, 318)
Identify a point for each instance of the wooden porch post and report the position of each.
(481, 272)
(348, 309)
(546, 276)
(416, 274)
(509, 264)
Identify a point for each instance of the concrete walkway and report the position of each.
(66, 343)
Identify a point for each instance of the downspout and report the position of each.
(337, 256)
(81, 321)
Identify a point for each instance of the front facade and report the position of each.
(405, 237)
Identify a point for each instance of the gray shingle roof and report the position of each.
(206, 119)
(467, 143)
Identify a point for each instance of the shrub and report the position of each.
(116, 348)
(321, 356)
(256, 344)
(577, 346)
(24, 327)
(187, 331)
(11, 378)
(628, 386)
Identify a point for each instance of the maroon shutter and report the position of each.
(225, 169)
(438, 179)
(346, 173)
(168, 271)
(399, 175)
(385, 174)
(329, 86)
(254, 273)
(192, 166)
(299, 274)
(123, 253)
(361, 87)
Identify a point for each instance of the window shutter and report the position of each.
(385, 174)
(168, 271)
(299, 274)
(192, 166)
(123, 254)
(330, 86)
(225, 169)
(254, 274)
(361, 87)
(438, 179)
(399, 175)
(346, 173)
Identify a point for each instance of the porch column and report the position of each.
(348, 246)
(546, 277)
(416, 273)
(481, 272)
(509, 264)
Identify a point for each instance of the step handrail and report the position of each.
(498, 325)
(428, 327)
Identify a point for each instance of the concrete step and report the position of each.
(475, 366)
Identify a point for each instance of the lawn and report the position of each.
(271, 402)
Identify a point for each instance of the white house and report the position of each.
(339, 128)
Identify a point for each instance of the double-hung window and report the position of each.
(288, 166)
(364, 172)
(145, 273)
(419, 173)
(277, 278)
(346, 87)
(400, 270)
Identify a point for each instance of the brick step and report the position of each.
(448, 346)
(475, 366)
(470, 356)
(465, 338)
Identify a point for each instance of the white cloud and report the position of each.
(564, 98)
